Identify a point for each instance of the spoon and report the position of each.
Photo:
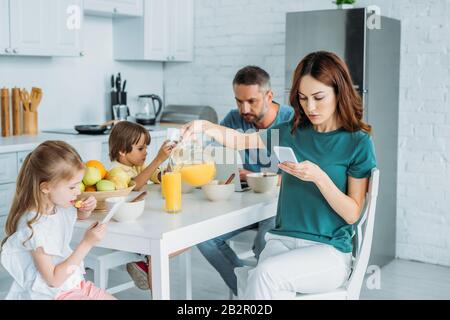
(230, 179)
(139, 197)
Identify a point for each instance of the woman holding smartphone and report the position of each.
(322, 196)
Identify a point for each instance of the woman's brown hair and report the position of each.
(52, 162)
(123, 136)
(332, 71)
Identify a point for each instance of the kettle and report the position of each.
(150, 108)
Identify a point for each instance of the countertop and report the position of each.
(27, 142)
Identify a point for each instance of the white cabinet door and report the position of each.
(132, 8)
(156, 30)
(30, 27)
(8, 167)
(105, 156)
(4, 27)
(6, 196)
(181, 30)
(164, 33)
(21, 158)
(67, 23)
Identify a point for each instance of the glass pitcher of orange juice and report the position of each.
(194, 162)
(171, 191)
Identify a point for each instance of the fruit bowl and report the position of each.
(101, 196)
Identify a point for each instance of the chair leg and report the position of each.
(188, 274)
(103, 277)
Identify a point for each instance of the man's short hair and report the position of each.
(253, 75)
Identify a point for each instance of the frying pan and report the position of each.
(93, 129)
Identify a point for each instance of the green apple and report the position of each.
(105, 185)
(91, 176)
(118, 175)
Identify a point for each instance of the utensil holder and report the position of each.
(30, 122)
(118, 98)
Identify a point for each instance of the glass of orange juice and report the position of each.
(171, 190)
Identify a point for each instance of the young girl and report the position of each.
(36, 250)
(322, 196)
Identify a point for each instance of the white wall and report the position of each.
(230, 34)
(76, 89)
(233, 33)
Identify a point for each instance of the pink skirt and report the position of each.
(86, 290)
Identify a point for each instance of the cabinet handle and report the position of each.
(115, 10)
(8, 50)
(15, 51)
(82, 54)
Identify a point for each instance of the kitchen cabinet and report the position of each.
(114, 8)
(164, 33)
(66, 33)
(8, 167)
(8, 175)
(6, 196)
(4, 26)
(39, 27)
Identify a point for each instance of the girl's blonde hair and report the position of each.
(52, 162)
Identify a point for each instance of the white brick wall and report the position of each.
(230, 34)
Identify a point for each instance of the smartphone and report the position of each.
(285, 154)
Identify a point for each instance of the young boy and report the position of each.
(128, 144)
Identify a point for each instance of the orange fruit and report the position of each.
(91, 189)
(97, 164)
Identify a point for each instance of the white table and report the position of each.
(158, 234)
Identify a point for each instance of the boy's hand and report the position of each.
(165, 150)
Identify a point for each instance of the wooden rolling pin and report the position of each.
(6, 121)
(16, 112)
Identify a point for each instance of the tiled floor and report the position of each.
(399, 280)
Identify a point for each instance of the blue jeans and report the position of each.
(224, 259)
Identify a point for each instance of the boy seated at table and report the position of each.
(128, 144)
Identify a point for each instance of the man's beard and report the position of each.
(253, 118)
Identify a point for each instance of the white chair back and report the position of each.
(363, 238)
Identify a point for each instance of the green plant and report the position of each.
(345, 2)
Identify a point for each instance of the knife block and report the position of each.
(30, 123)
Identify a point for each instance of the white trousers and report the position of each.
(290, 265)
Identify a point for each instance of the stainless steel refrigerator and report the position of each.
(373, 57)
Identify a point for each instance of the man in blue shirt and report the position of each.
(256, 111)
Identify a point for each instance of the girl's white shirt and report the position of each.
(53, 234)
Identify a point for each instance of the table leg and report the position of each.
(160, 271)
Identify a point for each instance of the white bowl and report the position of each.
(218, 192)
(128, 211)
(262, 182)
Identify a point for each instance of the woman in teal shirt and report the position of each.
(322, 196)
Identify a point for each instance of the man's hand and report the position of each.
(191, 128)
(243, 174)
